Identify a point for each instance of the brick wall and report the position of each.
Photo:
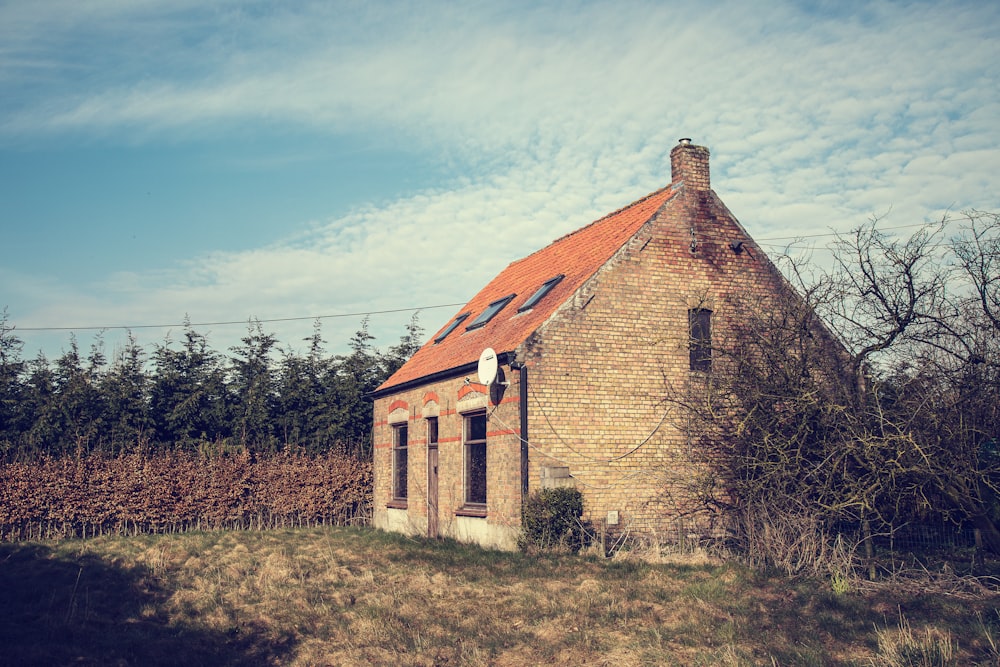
(601, 368)
(446, 400)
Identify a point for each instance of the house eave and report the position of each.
(503, 358)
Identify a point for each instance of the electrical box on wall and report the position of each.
(613, 518)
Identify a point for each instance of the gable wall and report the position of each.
(601, 367)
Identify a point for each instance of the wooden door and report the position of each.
(432, 477)
(432, 491)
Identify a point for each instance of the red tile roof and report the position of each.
(577, 256)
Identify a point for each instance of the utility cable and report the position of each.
(949, 220)
(626, 478)
(212, 324)
(759, 241)
(642, 472)
(636, 448)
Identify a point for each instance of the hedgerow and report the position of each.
(93, 494)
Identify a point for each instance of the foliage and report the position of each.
(133, 493)
(189, 398)
(186, 396)
(550, 519)
(11, 390)
(252, 384)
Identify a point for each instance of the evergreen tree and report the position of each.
(303, 414)
(409, 343)
(353, 378)
(252, 388)
(11, 370)
(126, 390)
(79, 404)
(189, 398)
(192, 397)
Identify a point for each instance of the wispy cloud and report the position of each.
(545, 117)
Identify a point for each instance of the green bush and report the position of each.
(550, 519)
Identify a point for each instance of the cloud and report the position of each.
(546, 117)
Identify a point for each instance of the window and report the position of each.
(540, 294)
(451, 327)
(432, 431)
(490, 312)
(399, 462)
(475, 459)
(700, 324)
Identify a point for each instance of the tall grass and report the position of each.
(352, 596)
(905, 647)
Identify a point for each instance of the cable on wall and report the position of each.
(626, 478)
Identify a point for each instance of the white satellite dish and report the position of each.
(487, 366)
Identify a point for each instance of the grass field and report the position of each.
(337, 596)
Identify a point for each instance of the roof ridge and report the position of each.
(556, 240)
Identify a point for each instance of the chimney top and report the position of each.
(689, 164)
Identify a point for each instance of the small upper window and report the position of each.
(451, 327)
(540, 294)
(490, 312)
(700, 347)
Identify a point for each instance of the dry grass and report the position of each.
(335, 596)
(903, 645)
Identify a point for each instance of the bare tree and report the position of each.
(867, 393)
(978, 251)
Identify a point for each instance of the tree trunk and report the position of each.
(989, 531)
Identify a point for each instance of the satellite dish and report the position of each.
(487, 366)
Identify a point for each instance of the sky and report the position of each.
(172, 160)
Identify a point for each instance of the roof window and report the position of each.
(540, 293)
(451, 327)
(490, 312)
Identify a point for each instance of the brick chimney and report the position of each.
(689, 163)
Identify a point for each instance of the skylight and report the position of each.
(490, 312)
(540, 294)
(451, 327)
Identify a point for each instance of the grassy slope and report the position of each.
(354, 596)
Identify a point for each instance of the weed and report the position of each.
(840, 584)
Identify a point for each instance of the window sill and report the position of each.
(396, 504)
(478, 511)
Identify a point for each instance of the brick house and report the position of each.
(588, 334)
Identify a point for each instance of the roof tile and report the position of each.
(577, 255)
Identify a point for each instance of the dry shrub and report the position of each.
(794, 544)
(87, 495)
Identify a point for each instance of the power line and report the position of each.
(795, 239)
(214, 324)
(831, 233)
